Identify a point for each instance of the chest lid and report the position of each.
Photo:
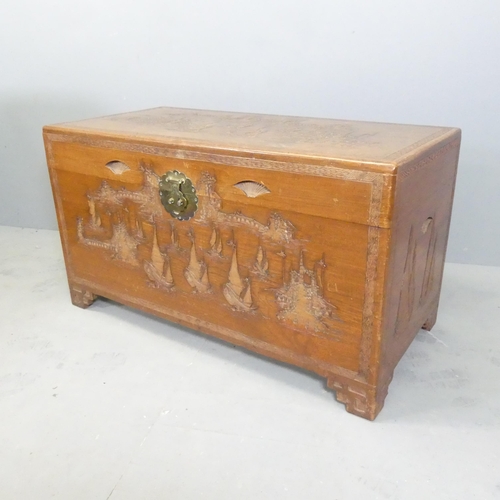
(368, 146)
(342, 170)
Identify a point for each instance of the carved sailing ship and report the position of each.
(174, 238)
(215, 243)
(237, 291)
(261, 265)
(158, 267)
(301, 301)
(196, 273)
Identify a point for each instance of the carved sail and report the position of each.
(261, 265)
(215, 243)
(158, 267)
(235, 281)
(196, 273)
(156, 256)
(195, 266)
(167, 273)
(247, 296)
(204, 278)
(236, 291)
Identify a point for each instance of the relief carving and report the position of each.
(237, 291)
(430, 263)
(122, 245)
(196, 273)
(215, 243)
(421, 248)
(135, 218)
(407, 294)
(158, 267)
(146, 199)
(277, 230)
(281, 129)
(261, 265)
(301, 301)
(95, 219)
(174, 240)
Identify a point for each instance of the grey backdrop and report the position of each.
(433, 62)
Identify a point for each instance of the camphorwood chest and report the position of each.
(316, 242)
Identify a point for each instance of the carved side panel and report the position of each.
(419, 272)
(422, 207)
(407, 293)
(430, 260)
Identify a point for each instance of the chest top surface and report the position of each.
(356, 141)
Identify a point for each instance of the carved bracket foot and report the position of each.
(359, 398)
(81, 297)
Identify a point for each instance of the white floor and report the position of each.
(109, 403)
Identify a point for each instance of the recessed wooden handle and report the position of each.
(117, 167)
(252, 188)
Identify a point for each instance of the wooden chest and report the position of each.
(316, 242)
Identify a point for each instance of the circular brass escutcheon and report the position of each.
(178, 195)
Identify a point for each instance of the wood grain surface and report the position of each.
(329, 263)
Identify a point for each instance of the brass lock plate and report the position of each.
(178, 195)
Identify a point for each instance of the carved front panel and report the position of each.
(282, 276)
